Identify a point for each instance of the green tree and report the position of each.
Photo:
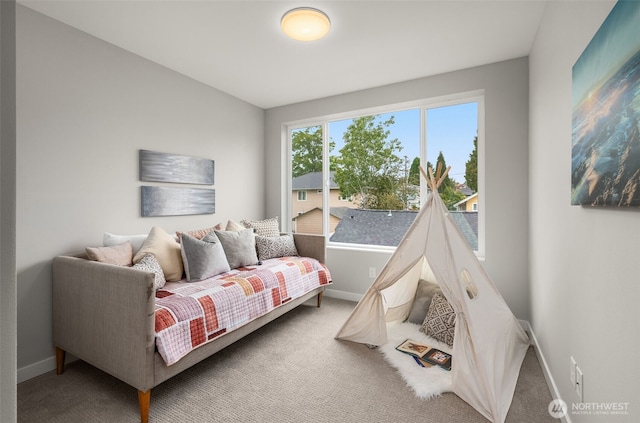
(414, 172)
(447, 190)
(471, 167)
(368, 167)
(306, 150)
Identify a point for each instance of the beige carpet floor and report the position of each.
(291, 370)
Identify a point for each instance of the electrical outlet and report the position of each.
(572, 371)
(372, 272)
(579, 383)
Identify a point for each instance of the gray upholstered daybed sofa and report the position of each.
(105, 315)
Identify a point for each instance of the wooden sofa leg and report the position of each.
(60, 354)
(320, 298)
(144, 398)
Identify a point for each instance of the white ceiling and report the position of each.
(238, 47)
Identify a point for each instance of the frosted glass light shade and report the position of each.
(305, 24)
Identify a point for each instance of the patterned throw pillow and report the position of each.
(120, 255)
(267, 227)
(440, 322)
(275, 246)
(149, 263)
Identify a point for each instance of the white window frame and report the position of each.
(300, 192)
(476, 96)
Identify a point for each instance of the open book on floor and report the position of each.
(425, 355)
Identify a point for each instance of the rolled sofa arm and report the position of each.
(104, 315)
(309, 245)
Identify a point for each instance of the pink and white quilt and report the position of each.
(190, 314)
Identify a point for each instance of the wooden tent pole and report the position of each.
(434, 183)
(444, 175)
(427, 178)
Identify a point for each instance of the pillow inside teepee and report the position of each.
(440, 322)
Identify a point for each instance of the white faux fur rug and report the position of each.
(426, 382)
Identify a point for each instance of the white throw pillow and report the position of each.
(109, 240)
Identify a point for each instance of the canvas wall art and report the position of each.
(605, 149)
(175, 201)
(163, 167)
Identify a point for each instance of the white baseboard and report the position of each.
(543, 364)
(36, 369)
(342, 295)
(42, 367)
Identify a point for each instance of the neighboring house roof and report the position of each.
(373, 227)
(339, 212)
(311, 181)
(334, 211)
(377, 227)
(466, 191)
(471, 197)
(467, 222)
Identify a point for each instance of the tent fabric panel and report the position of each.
(366, 324)
(398, 298)
(398, 313)
(486, 378)
(489, 344)
(493, 345)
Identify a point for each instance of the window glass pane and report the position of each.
(306, 183)
(374, 177)
(374, 164)
(452, 141)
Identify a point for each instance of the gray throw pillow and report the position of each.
(203, 258)
(422, 301)
(239, 247)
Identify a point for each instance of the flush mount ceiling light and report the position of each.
(305, 24)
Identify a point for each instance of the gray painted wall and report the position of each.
(8, 359)
(585, 279)
(506, 169)
(85, 108)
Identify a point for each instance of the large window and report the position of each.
(366, 166)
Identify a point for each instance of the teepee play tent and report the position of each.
(489, 344)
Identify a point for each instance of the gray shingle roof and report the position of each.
(311, 181)
(376, 227)
(339, 212)
(373, 227)
(468, 224)
(334, 211)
